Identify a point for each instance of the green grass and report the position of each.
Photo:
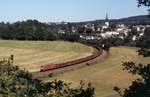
(107, 73)
(33, 54)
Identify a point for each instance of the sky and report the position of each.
(67, 10)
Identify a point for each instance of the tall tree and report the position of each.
(144, 3)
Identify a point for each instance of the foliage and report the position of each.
(81, 29)
(144, 52)
(19, 83)
(73, 37)
(141, 86)
(34, 30)
(143, 2)
(144, 44)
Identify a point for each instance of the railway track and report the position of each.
(71, 67)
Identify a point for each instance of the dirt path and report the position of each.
(93, 61)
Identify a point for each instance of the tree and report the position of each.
(89, 31)
(141, 86)
(34, 30)
(81, 29)
(144, 3)
(15, 82)
(113, 27)
(144, 44)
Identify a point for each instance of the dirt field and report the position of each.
(32, 54)
(107, 73)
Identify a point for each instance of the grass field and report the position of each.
(32, 54)
(103, 76)
(107, 73)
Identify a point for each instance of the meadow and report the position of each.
(31, 55)
(103, 75)
(107, 73)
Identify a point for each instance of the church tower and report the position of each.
(107, 20)
(106, 17)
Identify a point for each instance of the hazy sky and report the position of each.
(67, 10)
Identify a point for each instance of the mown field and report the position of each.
(104, 75)
(107, 73)
(33, 54)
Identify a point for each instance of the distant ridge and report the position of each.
(140, 19)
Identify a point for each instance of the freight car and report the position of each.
(70, 63)
(48, 67)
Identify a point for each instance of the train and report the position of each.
(70, 63)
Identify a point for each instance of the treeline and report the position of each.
(34, 30)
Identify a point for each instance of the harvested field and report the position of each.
(33, 54)
(107, 73)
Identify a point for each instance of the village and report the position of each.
(105, 30)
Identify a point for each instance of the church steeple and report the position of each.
(107, 20)
(107, 17)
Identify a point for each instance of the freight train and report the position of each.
(70, 63)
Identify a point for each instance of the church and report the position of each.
(106, 23)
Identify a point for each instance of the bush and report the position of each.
(15, 82)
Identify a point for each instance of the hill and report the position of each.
(140, 19)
